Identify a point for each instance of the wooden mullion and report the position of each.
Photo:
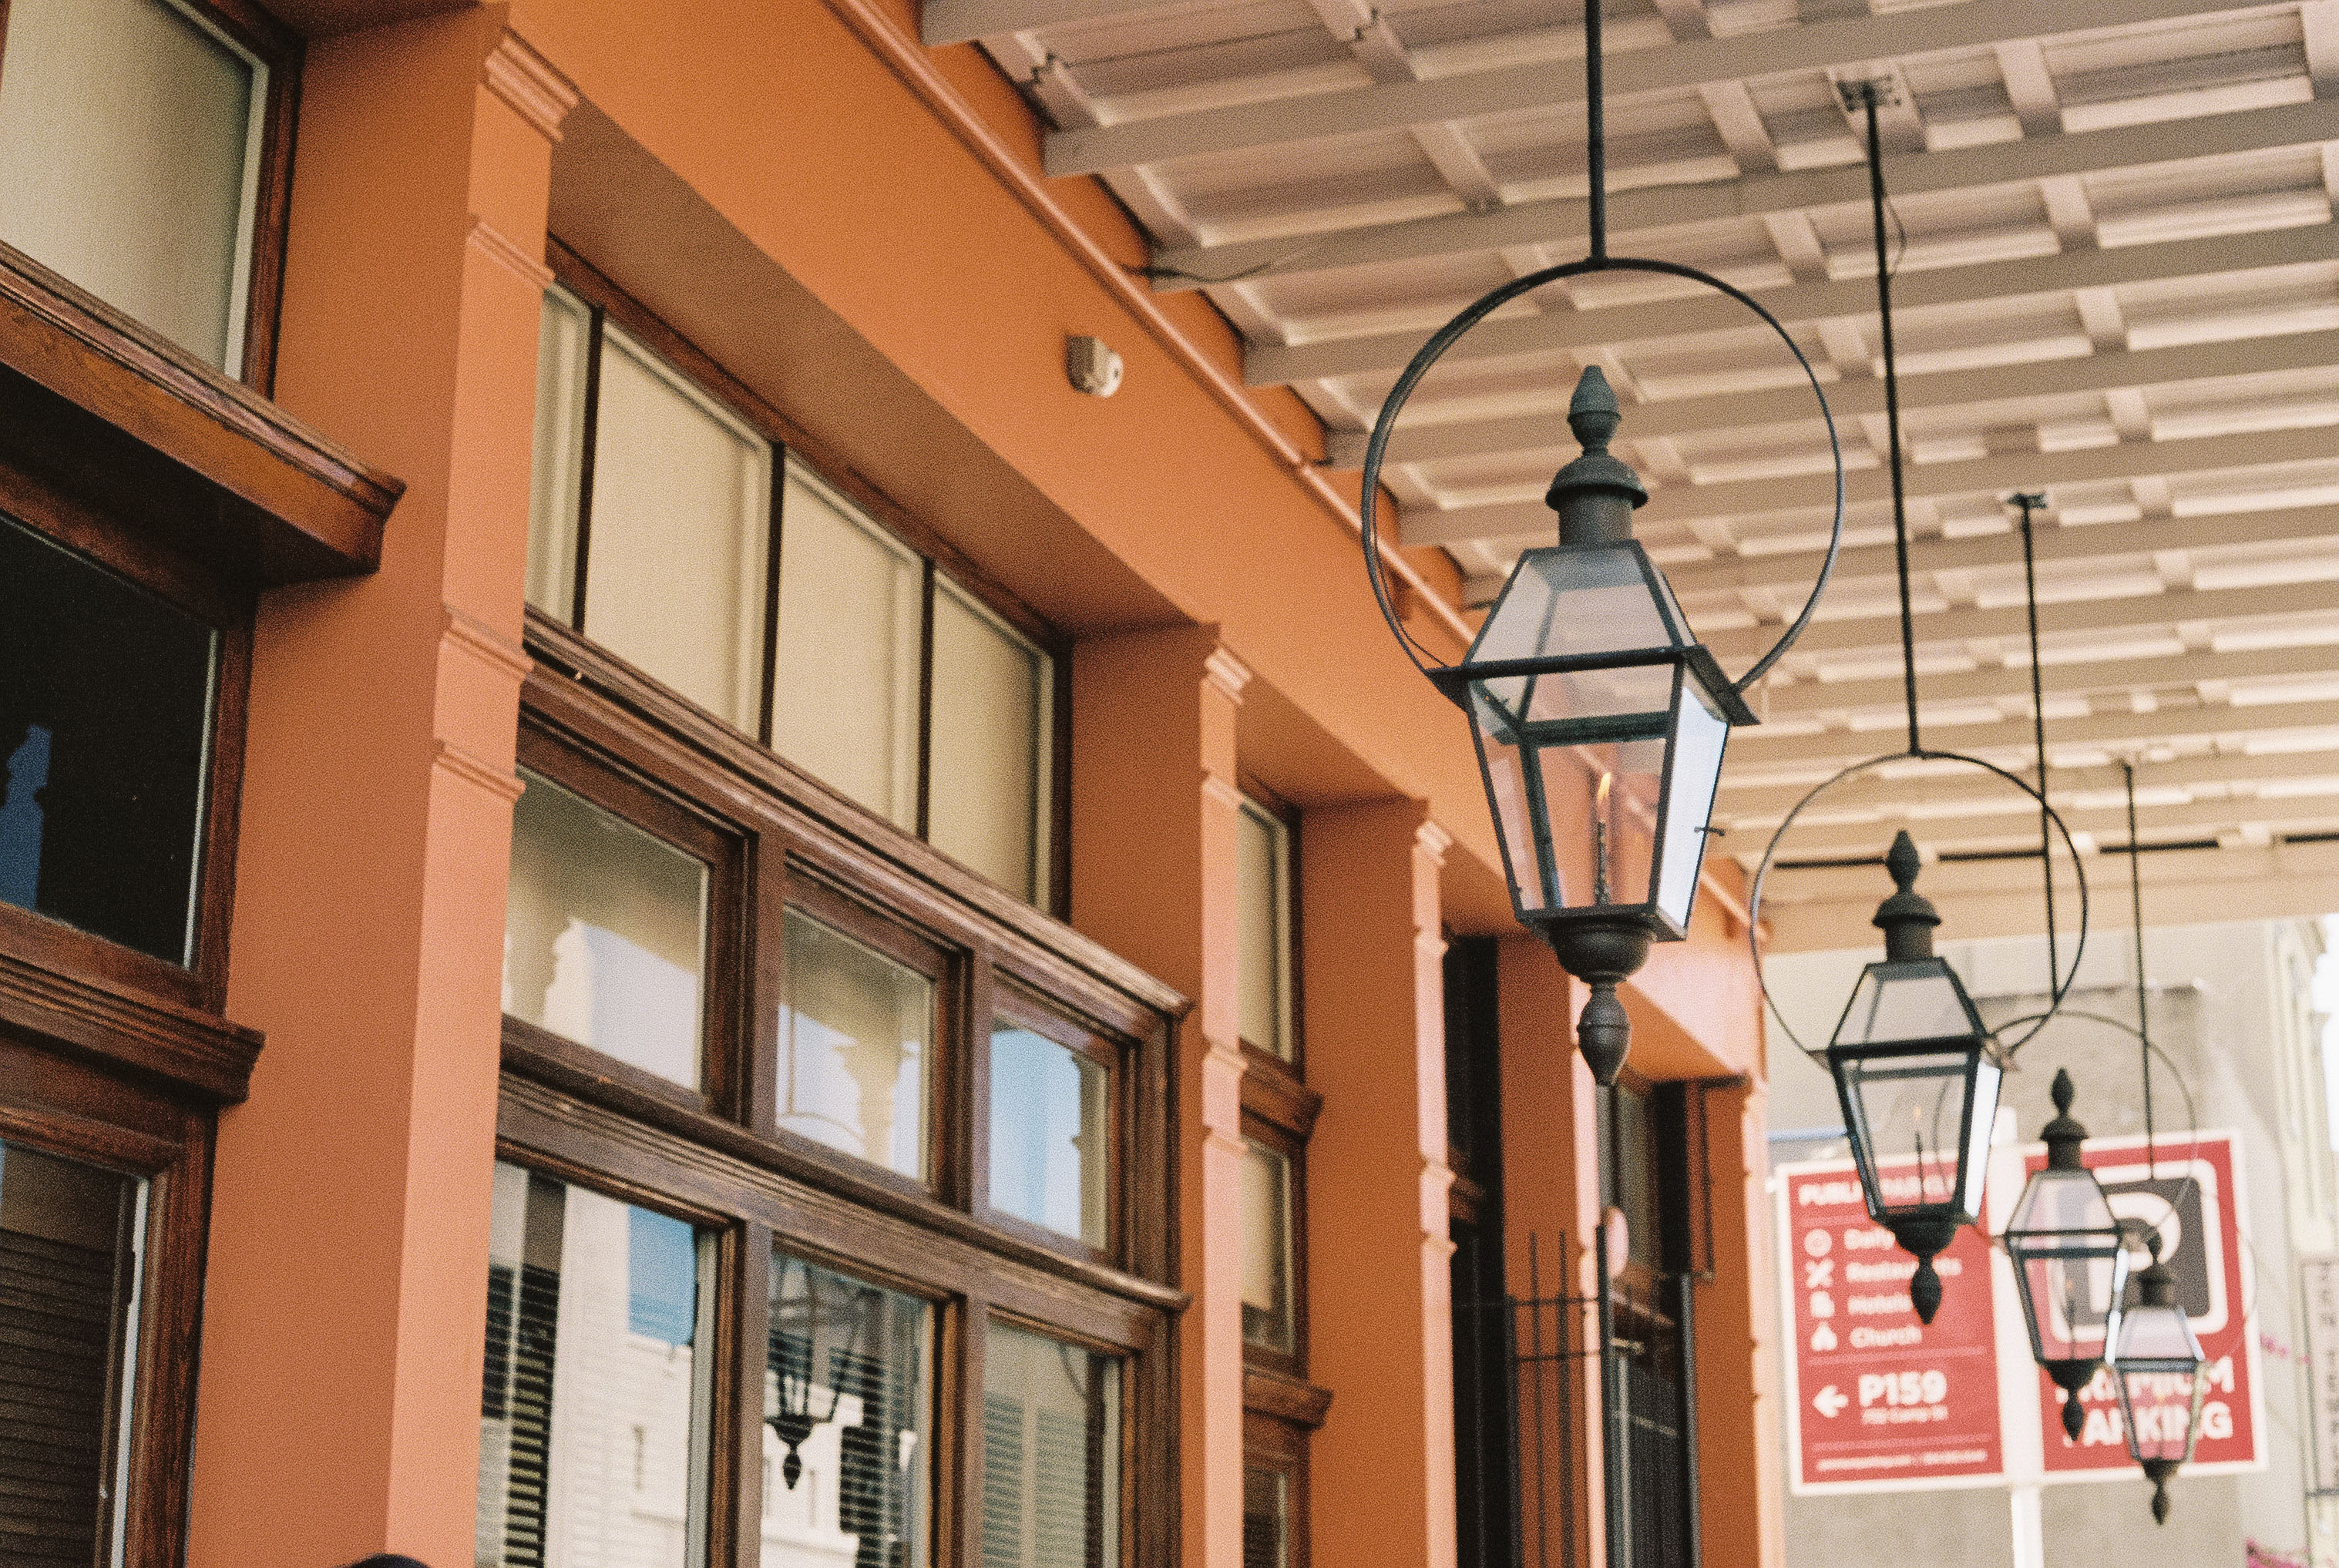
(588, 449)
(969, 1081)
(749, 1299)
(926, 700)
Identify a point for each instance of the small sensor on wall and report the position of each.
(1091, 367)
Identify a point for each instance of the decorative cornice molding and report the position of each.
(505, 252)
(463, 765)
(530, 84)
(1223, 790)
(1433, 841)
(1227, 672)
(486, 643)
(200, 1050)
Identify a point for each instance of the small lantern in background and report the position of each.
(2070, 1261)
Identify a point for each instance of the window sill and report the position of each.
(89, 396)
(1285, 1397)
(180, 1044)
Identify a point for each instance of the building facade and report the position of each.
(663, 903)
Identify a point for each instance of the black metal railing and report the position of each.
(1529, 1376)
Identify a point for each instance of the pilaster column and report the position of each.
(1740, 1436)
(348, 1240)
(1154, 877)
(1379, 1291)
(1551, 1204)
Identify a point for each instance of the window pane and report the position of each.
(593, 1405)
(675, 575)
(605, 932)
(852, 603)
(564, 338)
(1262, 850)
(1048, 1126)
(69, 1261)
(987, 800)
(129, 143)
(1267, 1248)
(854, 1031)
(105, 732)
(845, 1433)
(1051, 1453)
(1266, 1512)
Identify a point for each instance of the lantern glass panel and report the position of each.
(1911, 1000)
(2064, 1244)
(2157, 1367)
(1573, 600)
(1908, 1111)
(1700, 734)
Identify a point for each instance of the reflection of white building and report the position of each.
(803, 1524)
(597, 1469)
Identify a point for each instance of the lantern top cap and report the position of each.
(1906, 918)
(1585, 494)
(2063, 1135)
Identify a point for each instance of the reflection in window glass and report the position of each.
(1049, 1156)
(987, 802)
(1267, 1514)
(129, 161)
(1262, 851)
(594, 1402)
(854, 1027)
(851, 609)
(563, 343)
(604, 933)
(105, 703)
(1051, 1453)
(69, 1262)
(1267, 1248)
(845, 1434)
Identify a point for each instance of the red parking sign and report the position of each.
(1877, 1400)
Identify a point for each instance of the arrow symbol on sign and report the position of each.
(1829, 1401)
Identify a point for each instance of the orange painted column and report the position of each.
(1551, 1203)
(1741, 1472)
(345, 1299)
(1154, 818)
(1380, 1332)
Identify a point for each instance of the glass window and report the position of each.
(106, 706)
(1263, 882)
(987, 804)
(563, 347)
(69, 1284)
(604, 933)
(846, 1444)
(1267, 1247)
(1050, 1162)
(851, 608)
(856, 1032)
(130, 161)
(1267, 1518)
(1051, 1453)
(593, 1409)
(675, 575)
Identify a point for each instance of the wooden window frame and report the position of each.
(279, 51)
(1266, 801)
(1026, 1008)
(1279, 1444)
(722, 1161)
(608, 303)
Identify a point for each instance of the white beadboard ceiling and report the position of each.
(2118, 285)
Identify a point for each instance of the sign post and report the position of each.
(1877, 1400)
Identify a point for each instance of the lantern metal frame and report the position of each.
(795, 1425)
(1601, 945)
(2081, 1246)
(2156, 1288)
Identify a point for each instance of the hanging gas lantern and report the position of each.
(2157, 1367)
(1600, 723)
(1918, 1077)
(2069, 1259)
(816, 1317)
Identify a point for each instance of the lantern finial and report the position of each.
(1594, 495)
(1907, 917)
(2063, 1135)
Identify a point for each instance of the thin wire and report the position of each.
(1892, 418)
(2136, 911)
(1595, 134)
(2039, 727)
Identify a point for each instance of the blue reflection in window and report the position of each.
(661, 1276)
(20, 820)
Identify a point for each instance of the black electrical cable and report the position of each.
(1892, 418)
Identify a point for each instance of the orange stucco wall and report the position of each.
(352, 1191)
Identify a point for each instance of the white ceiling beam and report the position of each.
(2117, 731)
(1848, 399)
(1993, 683)
(2272, 770)
(2200, 818)
(1852, 41)
(1690, 314)
(2137, 612)
(1817, 908)
(1764, 193)
(1999, 471)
